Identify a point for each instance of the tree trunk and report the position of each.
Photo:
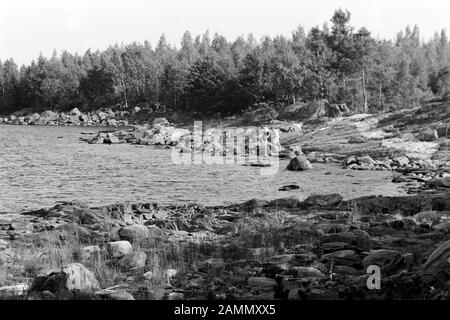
(366, 108)
(381, 97)
(125, 94)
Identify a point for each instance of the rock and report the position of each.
(401, 161)
(307, 272)
(328, 227)
(254, 204)
(439, 260)
(390, 261)
(445, 226)
(260, 116)
(134, 233)
(34, 117)
(170, 273)
(345, 257)
(366, 160)
(439, 182)
(345, 270)
(413, 150)
(286, 261)
(67, 281)
(428, 135)
(133, 260)
(75, 112)
(148, 275)
(334, 246)
(329, 200)
(357, 140)
(350, 160)
(360, 242)
(44, 295)
(118, 249)
(289, 187)
(443, 131)
(284, 203)
(261, 283)
(175, 296)
(49, 115)
(111, 139)
(299, 163)
(160, 122)
(14, 290)
(3, 244)
(427, 216)
(115, 295)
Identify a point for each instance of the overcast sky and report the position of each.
(28, 27)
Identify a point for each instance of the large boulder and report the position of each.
(133, 260)
(390, 261)
(439, 260)
(134, 233)
(260, 116)
(428, 135)
(75, 112)
(312, 111)
(118, 249)
(68, 281)
(439, 182)
(49, 115)
(34, 118)
(111, 139)
(344, 258)
(284, 203)
(299, 163)
(322, 200)
(160, 122)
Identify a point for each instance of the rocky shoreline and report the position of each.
(319, 248)
(105, 117)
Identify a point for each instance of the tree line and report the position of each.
(215, 76)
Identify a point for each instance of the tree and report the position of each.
(204, 85)
(363, 45)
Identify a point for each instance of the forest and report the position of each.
(213, 76)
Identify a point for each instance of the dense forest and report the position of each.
(215, 76)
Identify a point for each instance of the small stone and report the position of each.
(148, 275)
(175, 296)
(289, 187)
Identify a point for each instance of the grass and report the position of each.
(45, 251)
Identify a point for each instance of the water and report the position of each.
(40, 165)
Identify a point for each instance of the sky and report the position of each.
(31, 27)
